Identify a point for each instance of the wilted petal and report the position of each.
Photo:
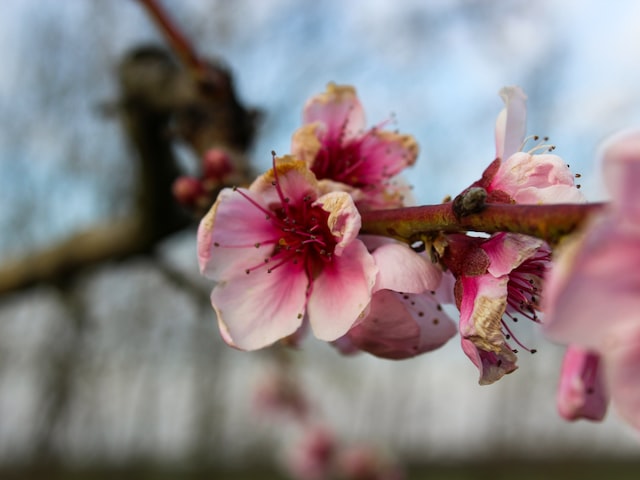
(339, 109)
(511, 123)
(344, 220)
(491, 365)
(259, 308)
(305, 142)
(484, 300)
(581, 393)
(342, 292)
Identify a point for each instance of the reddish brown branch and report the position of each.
(178, 42)
(549, 222)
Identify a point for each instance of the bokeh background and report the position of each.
(122, 367)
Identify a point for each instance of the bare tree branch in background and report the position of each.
(160, 101)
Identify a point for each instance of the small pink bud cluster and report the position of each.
(198, 193)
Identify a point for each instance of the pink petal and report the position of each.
(581, 392)
(621, 169)
(341, 292)
(387, 154)
(594, 287)
(507, 251)
(338, 109)
(623, 373)
(445, 291)
(511, 123)
(403, 270)
(257, 309)
(533, 179)
(402, 326)
(235, 225)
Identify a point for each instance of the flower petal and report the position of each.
(507, 251)
(594, 288)
(621, 162)
(339, 109)
(402, 326)
(257, 309)
(292, 180)
(341, 292)
(403, 270)
(484, 300)
(387, 154)
(511, 123)
(305, 142)
(492, 366)
(229, 233)
(581, 393)
(623, 374)
(536, 179)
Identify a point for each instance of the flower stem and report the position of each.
(548, 222)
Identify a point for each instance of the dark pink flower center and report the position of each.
(344, 161)
(340, 162)
(304, 237)
(523, 292)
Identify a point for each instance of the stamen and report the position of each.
(541, 148)
(276, 183)
(515, 339)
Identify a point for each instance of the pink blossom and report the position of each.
(498, 281)
(531, 177)
(344, 156)
(281, 254)
(593, 293)
(581, 392)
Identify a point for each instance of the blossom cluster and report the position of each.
(289, 256)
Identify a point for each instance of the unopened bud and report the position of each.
(187, 190)
(216, 164)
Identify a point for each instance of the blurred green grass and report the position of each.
(522, 470)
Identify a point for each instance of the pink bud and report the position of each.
(216, 164)
(187, 190)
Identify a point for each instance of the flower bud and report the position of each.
(216, 164)
(187, 190)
